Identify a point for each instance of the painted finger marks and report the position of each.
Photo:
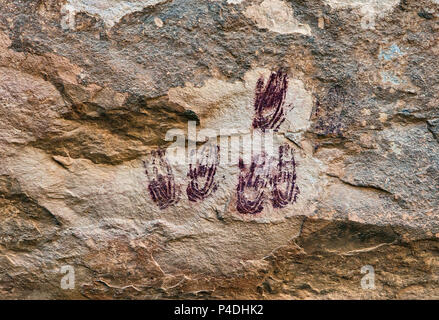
(283, 179)
(269, 102)
(251, 186)
(328, 119)
(202, 172)
(161, 181)
(267, 179)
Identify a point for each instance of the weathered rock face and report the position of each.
(93, 92)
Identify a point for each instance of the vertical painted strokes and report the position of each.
(161, 181)
(283, 179)
(202, 173)
(267, 179)
(251, 186)
(328, 112)
(269, 102)
(270, 113)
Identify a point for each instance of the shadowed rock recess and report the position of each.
(348, 89)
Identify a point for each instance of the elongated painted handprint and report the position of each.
(161, 186)
(202, 172)
(328, 119)
(283, 179)
(251, 185)
(270, 102)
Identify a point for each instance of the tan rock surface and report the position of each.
(89, 91)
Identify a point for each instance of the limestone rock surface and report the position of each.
(93, 92)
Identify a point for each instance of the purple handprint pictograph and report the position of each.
(202, 172)
(328, 119)
(251, 185)
(161, 182)
(266, 176)
(283, 179)
(270, 102)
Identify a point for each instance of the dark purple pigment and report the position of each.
(283, 179)
(161, 185)
(251, 186)
(254, 181)
(328, 112)
(202, 174)
(270, 101)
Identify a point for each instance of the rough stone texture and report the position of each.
(89, 88)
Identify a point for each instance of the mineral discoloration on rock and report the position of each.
(276, 16)
(111, 11)
(374, 6)
(89, 90)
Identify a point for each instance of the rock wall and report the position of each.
(109, 190)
